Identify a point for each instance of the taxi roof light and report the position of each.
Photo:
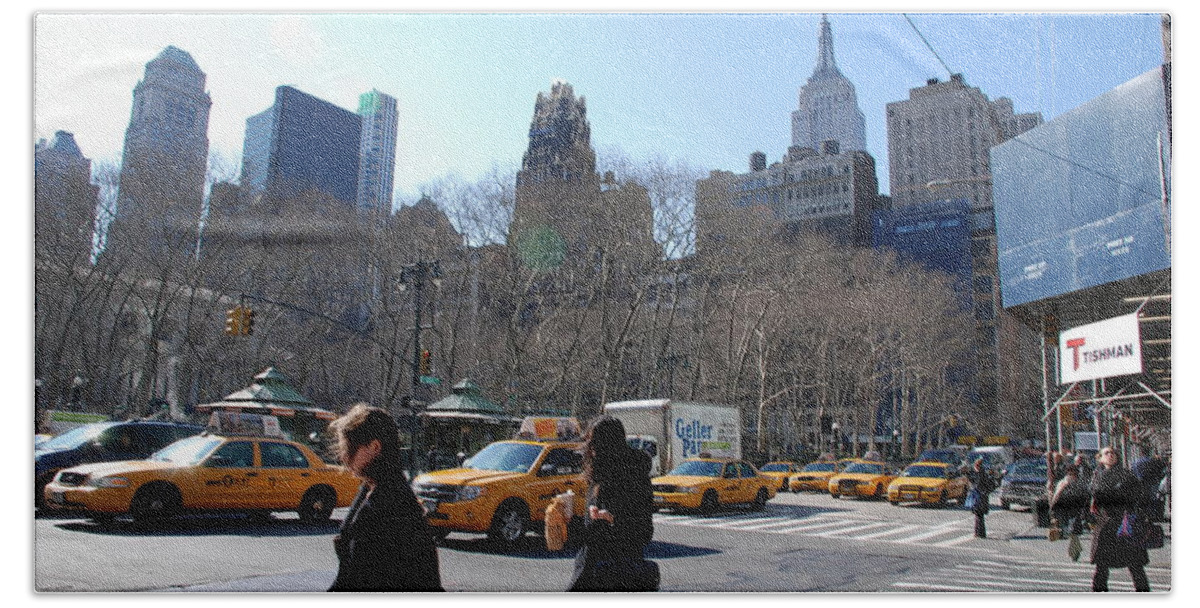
(241, 423)
(549, 428)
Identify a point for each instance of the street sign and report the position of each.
(430, 380)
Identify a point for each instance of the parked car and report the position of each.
(1024, 483)
(814, 476)
(708, 483)
(504, 489)
(928, 482)
(780, 470)
(208, 472)
(863, 478)
(103, 442)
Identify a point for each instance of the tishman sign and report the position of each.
(1100, 350)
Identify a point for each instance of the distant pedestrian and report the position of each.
(1069, 504)
(384, 543)
(619, 522)
(1116, 493)
(983, 483)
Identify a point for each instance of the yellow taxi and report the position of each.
(814, 476)
(504, 488)
(708, 483)
(862, 478)
(928, 482)
(780, 470)
(259, 472)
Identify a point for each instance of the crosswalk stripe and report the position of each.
(851, 529)
(954, 542)
(902, 529)
(811, 526)
(997, 575)
(924, 535)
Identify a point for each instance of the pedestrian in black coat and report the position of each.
(619, 522)
(384, 543)
(981, 481)
(1116, 492)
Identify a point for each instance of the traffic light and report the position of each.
(425, 366)
(247, 321)
(233, 321)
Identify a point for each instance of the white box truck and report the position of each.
(672, 431)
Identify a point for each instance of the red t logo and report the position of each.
(1074, 346)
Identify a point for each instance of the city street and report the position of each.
(801, 542)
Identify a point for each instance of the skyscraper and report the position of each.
(165, 160)
(828, 106)
(64, 201)
(302, 145)
(939, 143)
(939, 140)
(562, 205)
(377, 152)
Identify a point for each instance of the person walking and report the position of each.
(1069, 503)
(982, 483)
(384, 543)
(619, 524)
(1116, 492)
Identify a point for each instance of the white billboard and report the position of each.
(1100, 350)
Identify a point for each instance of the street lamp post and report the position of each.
(896, 443)
(837, 441)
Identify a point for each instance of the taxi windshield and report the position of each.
(74, 437)
(698, 468)
(865, 467)
(924, 471)
(514, 457)
(774, 466)
(187, 451)
(819, 467)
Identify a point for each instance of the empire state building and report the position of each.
(828, 107)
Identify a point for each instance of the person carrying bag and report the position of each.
(619, 523)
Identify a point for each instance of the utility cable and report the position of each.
(929, 46)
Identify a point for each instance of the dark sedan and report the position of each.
(1024, 483)
(103, 442)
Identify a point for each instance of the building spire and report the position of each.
(825, 61)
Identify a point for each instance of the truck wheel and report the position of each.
(760, 499)
(709, 503)
(317, 504)
(509, 522)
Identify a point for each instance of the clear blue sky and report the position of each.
(708, 88)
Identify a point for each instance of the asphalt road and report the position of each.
(804, 542)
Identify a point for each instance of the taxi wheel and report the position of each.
(880, 493)
(509, 522)
(317, 504)
(156, 501)
(438, 534)
(709, 502)
(834, 495)
(760, 499)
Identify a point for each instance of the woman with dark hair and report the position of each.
(619, 522)
(1116, 492)
(384, 543)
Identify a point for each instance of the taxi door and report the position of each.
(730, 488)
(285, 472)
(956, 485)
(750, 482)
(229, 478)
(560, 470)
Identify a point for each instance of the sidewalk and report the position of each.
(1033, 541)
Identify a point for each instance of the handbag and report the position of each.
(1055, 532)
(1152, 537)
(1074, 548)
(558, 513)
(972, 499)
